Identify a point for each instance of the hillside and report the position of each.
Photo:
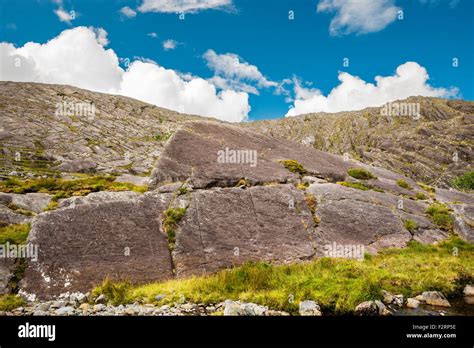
(434, 148)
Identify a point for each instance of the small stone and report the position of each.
(398, 300)
(101, 299)
(412, 303)
(99, 307)
(309, 308)
(435, 298)
(469, 290)
(387, 297)
(420, 298)
(58, 304)
(65, 311)
(84, 307)
(367, 308)
(39, 313)
(381, 308)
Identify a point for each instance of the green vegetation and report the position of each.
(294, 166)
(243, 182)
(14, 234)
(337, 284)
(20, 210)
(464, 182)
(420, 196)
(410, 225)
(440, 216)
(403, 184)
(115, 292)
(312, 204)
(162, 136)
(431, 190)
(361, 174)
(182, 190)
(172, 216)
(66, 188)
(302, 186)
(356, 185)
(10, 302)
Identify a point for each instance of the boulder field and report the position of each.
(201, 214)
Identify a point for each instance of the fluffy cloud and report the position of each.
(164, 87)
(63, 15)
(170, 44)
(78, 57)
(231, 72)
(359, 16)
(128, 12)
(353, 93)
(190, 6)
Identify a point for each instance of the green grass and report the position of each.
(410, 225)
(440, 216)
(420, 196)
(66, 188)
(464, 182)
(294, 166)
(338, 285)
(356, 185)
(9, 302)
(361, 174)
(172, 216)
(403, 184)
(14, 234)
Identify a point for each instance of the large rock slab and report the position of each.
(227, 227)
(366, 218)
(80, 246)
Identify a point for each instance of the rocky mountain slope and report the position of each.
(433, 145)
(217, 196)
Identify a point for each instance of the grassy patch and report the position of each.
(294, 166)
(14, 234)
(10, 302)
(403, 184)
(66, 188)
(361, 174)
(464, 182)
(356, 185)
(420, 196)
(410, 225)
(440, 216)
(337, 284)
(172, 216)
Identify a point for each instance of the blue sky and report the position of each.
(298, 59)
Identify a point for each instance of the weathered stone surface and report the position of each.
(98, 197)
(469, 290)
(79, 246)
(7, 267)
(9, 217)
(435, 298)
(412, 303)
(133, 179)
(309, 308)
(35, 202)
(77, 166)
(225, 227)
(354, 217)
(237, 308)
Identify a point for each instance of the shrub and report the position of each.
(410, 225)
(356, 185)
(420, 196)
(172, 216)
(116, 293)
(440, 216)
(14, 234)
(403, 184)
(294, 167)
(464, 182)
(10, 302)
(361, 174)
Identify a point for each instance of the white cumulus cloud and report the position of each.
(170, 44)
(190, 6)
(128, 12)
(232, 72)
(353, 93)
(78, 57)
(359, 16)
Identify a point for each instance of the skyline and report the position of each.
(237, 62)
